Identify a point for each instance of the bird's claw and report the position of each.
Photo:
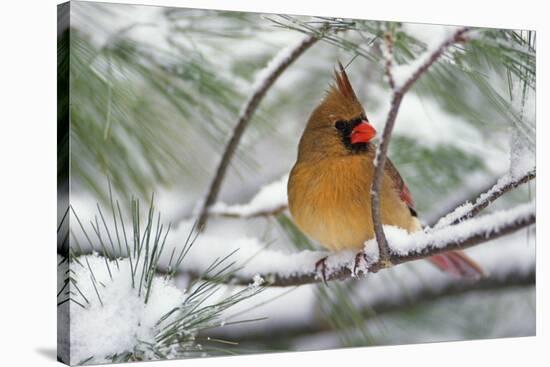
(322, 264)
(360, 256)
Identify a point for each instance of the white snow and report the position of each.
(295, 309)
(115, 319)
(118, 322)
(260, 260)
(432, 37)
(269, 198)
(262, 76)
(522, 157)
(280, 58)
(253, 256)
(402, 243)
(430, 34)
(522, 134)
(455, 214)
(249, 251)
(466, 207)
(501, 183)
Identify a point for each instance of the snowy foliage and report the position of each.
(113, 319)
(269, 198)
(432, 40)
(116, 320)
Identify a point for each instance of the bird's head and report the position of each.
(339, 125)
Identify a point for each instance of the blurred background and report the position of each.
(156, 92)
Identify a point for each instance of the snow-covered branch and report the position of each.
(297, 269)
(234, 212)
(469, 210)
(264, 80)
(270, 200)
(380, 161)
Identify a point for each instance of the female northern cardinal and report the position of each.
(329, 186)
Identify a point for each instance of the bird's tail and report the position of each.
(458, 264)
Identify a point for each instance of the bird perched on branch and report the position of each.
(329, 186)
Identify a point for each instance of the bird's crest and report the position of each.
(343, 84)
(340, 99)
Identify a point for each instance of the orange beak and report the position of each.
(362, 133)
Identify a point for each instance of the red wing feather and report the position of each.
(400, 186)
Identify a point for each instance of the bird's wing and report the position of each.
(400, 186)
(455, 263)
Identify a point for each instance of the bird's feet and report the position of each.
(361, 256)
(321, 268)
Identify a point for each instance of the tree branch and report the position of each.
(388, 55)
(244, 118)
(468, 210)
(458, 211)
(387, 305)
(428, 246)
(381, 152)
(257, 214)
(427, 243)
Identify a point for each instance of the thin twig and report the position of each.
(388, 55)
(257, 214)
(449, 206)
(244, 118)
(380, 159)
(494, 193)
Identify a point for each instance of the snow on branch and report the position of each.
(264, 80)
(469, 210)
(270, 200)
(283, 270)
(398, 93)
(288, 269)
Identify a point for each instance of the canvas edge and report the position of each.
(63, 184)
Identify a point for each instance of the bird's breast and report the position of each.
(330, 202)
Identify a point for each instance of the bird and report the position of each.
(329, 185)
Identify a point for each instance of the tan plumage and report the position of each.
(330, 201)
(329, 186)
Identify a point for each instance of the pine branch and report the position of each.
(428, 245)
(389, 304)
(380, 160)
(460, 210)
(257, 214)
(388, 55)
(345, 272)
(471, 232)
(503, 185)
(244, 119)
(443, 210)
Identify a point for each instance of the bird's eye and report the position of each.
(340, 125)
